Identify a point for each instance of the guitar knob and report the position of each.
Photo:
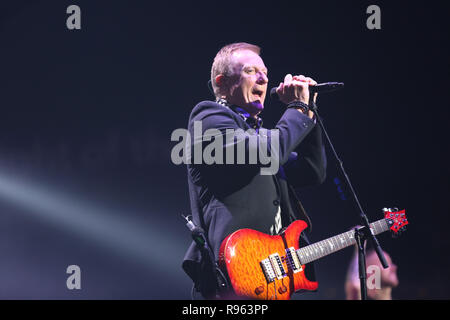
(259, 290)
(282, 289)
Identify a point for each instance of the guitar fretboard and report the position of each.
(328, 246)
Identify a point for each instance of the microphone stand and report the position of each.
(361, 234)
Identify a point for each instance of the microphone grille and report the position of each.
(274, 94)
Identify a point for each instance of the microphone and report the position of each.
(319, 88)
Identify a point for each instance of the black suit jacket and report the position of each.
(225, 198)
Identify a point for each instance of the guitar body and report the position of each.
(266, 267)
(240, 257)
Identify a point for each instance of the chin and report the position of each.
(256, 105)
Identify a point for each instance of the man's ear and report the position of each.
(220, 80)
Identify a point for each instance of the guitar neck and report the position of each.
(328, 246)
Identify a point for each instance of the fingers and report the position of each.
(299, 82)
(311, 82)
(288, 80)
(280, 89)
(295, 88)
(315, 97)
(302, 78)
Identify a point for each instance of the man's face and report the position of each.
(248, 84)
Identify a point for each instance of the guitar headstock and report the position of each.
(396, 220)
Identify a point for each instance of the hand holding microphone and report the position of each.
(316, 88)
(295, 88)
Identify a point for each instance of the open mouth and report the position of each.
(258, 93)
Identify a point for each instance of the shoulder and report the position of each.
(207, 108)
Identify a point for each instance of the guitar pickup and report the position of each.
(268, 270)
(293, 260)
(277, 265)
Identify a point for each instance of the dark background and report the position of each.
(86, 118)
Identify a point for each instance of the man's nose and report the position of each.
(262, 78)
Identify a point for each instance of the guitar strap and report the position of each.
(300, 209)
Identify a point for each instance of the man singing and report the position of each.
(226, 197)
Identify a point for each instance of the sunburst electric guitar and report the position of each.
(260, 266)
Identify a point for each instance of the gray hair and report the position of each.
(222, 62)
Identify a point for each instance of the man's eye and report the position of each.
(251, 70)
